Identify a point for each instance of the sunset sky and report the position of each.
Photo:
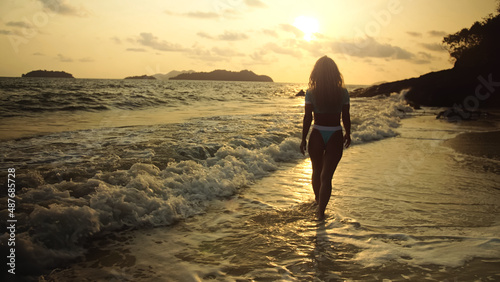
(371, 40)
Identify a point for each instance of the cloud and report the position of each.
(149, 40)
(19, 24)
(423, 58)
(437, 33)
(226, 36)
(414, 34)
(232, 36)
(204, 35)
(136, 49)
(282, 50)
(226, 52)
(425, 55)
(269, 52)
(255, 3)
(315, 48)
(202, 15)
(86, 60)
(261, 57)
(434, 47)
(228, 9)
(38, 54)
(5, 32)
(64, 59)
(270, 32)
(369, 47)
(116, 40)
(215, 54)
(62, 8)
(292, 29)
(223, 13)
(201, 53)
(234, 8)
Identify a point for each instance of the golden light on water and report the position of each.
(308, 25)
(306, 167)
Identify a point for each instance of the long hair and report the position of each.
(326, 84)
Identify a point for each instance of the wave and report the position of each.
(378, 118)
(58, 218)
(20, 97)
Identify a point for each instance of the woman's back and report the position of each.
(333, 108)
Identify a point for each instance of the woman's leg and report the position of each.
(316, 150)
(331, 158)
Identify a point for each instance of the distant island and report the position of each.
(45, 73)
(140, 77)
(244, 75)
(170, 74)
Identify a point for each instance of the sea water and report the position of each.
(200, 180)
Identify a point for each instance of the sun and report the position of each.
(309, 26)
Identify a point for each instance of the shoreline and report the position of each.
(482, 139)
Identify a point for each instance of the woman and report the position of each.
(329, 101)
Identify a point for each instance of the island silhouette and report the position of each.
(244, 75)
(45, 73)
(141, 77)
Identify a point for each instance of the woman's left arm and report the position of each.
(346, 120)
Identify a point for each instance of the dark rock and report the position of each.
(301, 93)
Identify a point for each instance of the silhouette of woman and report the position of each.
(328, 99)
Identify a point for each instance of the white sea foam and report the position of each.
(377, 118)
(449, 252)
(141, 195)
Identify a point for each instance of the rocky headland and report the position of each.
(474, 81)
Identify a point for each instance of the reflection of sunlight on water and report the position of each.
(302, 182)
(306, 172)
(300, 104)
(288, 186)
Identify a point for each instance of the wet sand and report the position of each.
(479, 144)
(483, 141)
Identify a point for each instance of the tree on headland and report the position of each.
(478, 45)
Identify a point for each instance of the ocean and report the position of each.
(133, 180)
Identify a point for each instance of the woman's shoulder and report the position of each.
(309, 92)
(308, 96)
(345, 92)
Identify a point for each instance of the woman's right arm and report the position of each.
(306, 125)
(346, 120)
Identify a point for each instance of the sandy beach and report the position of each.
(481, 144)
